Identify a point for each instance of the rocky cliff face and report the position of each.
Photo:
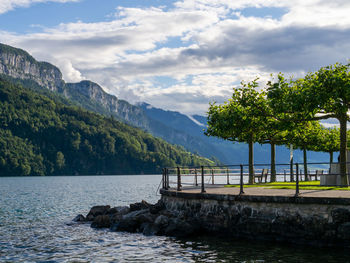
(19, 64)
(89, 92)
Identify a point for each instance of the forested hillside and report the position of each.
(42, 136)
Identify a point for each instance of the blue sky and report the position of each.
(178, 55)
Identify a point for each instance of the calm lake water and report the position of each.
(34, 212)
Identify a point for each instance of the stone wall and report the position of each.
(303, 221)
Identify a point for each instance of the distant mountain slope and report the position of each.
(41, 136)
(227, 152)
(171, 126)
(91, 96)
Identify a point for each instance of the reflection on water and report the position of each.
(34, 212)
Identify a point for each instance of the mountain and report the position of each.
(225, 151)
(42, 136)
(17, 65)
(176, 128)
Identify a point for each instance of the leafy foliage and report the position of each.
(319, 95)
(41, 136)
(240, 119)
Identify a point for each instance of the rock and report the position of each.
(246, 212)
(344, 231)
(160, 224)
(139, 206)
(134, 214)
(117, 213)
(123, 210)
(125, 225)
(96, 211)
(79, 218)
(112, 211)
(148, 229)
(132, 221)
(161, 221)
(179, 228)
(101, 221)
(159, 206)
(340, 215)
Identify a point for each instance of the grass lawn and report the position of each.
(310, 185)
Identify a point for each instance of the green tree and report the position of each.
(329, 142)
(305, 136)
(239, 119)
(60, 161)
(320, 95)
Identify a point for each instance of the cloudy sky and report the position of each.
(178, 55)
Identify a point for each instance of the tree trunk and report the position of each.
(343, 153)
(330, 157)
(305, 164)
(273, 162)
(251, 161)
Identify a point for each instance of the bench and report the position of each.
(316, 175)
(263, 174)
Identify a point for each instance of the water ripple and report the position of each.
(34, 212)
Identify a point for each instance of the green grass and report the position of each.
(310, 185)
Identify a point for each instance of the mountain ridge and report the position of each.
(174, 127)
(41, 136)
(91, 96)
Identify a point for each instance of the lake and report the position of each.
(34, 212)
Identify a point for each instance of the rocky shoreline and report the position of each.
(142, 217)
(316, 225)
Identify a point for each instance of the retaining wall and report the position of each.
(318, 221)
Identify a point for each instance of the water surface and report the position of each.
(34, 212)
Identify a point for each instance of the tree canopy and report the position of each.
(319, 95)
(239, 119)
(288, 113)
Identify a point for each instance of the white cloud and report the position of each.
(205, 46)
(71, 74)
(8, 5)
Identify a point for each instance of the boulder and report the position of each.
(344, 231)
(96, 211)
(340, 215)
(132, 221)
(123, 210)
(161, 221)
(79, 218)
(112, 211)
(139, 206)
(101, 221)
(156, 208)
(179, 228)
(148, 229)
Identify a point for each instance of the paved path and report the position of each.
(261, 191)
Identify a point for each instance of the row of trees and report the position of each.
(287, 111)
